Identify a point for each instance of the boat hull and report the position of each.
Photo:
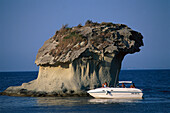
(116, 93)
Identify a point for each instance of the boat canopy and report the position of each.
(125, 81)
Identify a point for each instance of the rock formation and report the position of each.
(80, 58)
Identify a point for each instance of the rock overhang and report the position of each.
(99, 38)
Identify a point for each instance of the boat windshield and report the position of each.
(127, 84)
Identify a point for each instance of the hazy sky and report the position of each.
(26, 24)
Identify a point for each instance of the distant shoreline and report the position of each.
(16, 71)
(141, 69)
(121, 70)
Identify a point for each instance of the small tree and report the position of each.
(79, 26)
(88, 22)
(64, 26)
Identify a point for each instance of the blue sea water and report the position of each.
(155, 85)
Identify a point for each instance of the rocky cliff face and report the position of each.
(80, 58)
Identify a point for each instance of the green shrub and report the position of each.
(71, 35)
(88, 22)
(107, 23)
(79, 26)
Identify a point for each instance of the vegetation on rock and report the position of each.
(68, 40)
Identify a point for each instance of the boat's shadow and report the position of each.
(110, 101)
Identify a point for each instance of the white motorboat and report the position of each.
(117, 92)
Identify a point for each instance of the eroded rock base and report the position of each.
(26, 93)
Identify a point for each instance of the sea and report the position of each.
(154, 83)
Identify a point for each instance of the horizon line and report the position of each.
(120, 70)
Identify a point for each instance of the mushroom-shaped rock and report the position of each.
(80, 58)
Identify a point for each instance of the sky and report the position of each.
(26, 24)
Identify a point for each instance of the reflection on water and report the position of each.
(73, 101)
(76, 101)
(65, 101)
(110, 101)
